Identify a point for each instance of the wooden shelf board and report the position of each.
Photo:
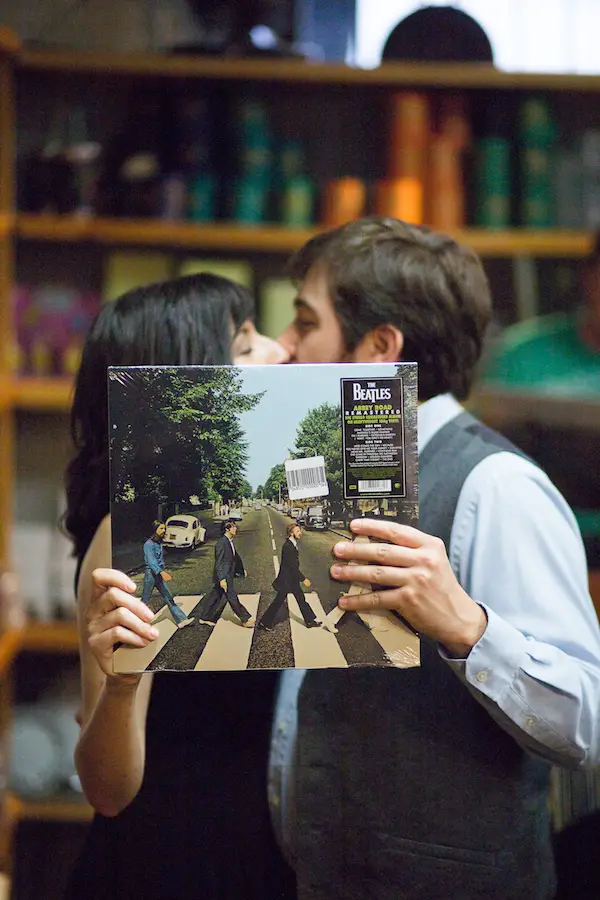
(6, 399)
(155, 65)
(7, 221)
(10, 644)
(499, 407)
(50, 637)
(9, 41)
(228, 236)
(42, 394)
(59, 809)
(153, 232)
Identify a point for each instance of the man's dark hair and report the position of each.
(434, 290)
(228, 523)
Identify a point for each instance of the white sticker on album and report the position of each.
(306, 477)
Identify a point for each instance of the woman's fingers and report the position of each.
(115, 598)
(107, 578)
(124, 618)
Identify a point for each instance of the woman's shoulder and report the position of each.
(97, 556)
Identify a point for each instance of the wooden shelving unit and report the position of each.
(272, 238)
(10, 644)
(443, 75)
(41, 394)
(57, 809)
(54, 395)
(50, 637)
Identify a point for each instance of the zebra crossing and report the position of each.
(227, 646)
(138, 659)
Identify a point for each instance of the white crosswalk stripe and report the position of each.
(137, 659)
(228, 647)
(399, 644)
(313, 647)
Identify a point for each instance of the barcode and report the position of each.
(301, 478)
(371, 485)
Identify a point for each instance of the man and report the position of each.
(155, 576)
(228, 564)
(432, 782)
(288, 582)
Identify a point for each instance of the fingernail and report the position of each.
(343, 601)
(154, 632)
(340, 548)
(132, 586)
(336, 570)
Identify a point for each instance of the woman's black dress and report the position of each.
(199, 826)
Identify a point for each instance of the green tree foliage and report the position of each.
(178, 434)
(246, 490)
(320, 432)
(275, 481)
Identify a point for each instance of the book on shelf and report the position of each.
(230, 487)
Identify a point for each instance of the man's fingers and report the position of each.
(382, 554)
(391, 532)
(384, 575)
(371, 601)
(107, 578)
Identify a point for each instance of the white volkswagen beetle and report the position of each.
(184, 532)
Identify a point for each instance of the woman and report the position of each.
(174, 765)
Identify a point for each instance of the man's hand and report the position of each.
(166, 576)
(421, 585)
(223, 584)
(245, 574)
(306, 583)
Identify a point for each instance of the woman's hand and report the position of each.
(116, 615)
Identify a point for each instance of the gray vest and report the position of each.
(406, 787)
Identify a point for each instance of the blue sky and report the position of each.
(291, 392)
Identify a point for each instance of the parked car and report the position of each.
(257, 506)
(184, 532)
(315, 518)
(236, 514)
(296, 512)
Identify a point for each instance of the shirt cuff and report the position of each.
(496, 658)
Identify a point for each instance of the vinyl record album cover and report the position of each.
(230, 487)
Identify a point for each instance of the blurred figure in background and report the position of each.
(557, 354)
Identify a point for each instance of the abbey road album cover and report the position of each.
(229, 488)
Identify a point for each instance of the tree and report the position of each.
(246, 490)
(276, 483)
(178, 433)
(320, 431)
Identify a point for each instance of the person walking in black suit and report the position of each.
(288, 582)
(228, 564)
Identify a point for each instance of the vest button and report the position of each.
(482, 676)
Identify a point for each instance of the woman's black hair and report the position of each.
(186, 321)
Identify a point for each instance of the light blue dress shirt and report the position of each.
(516, 549)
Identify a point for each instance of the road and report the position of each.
(361, 640)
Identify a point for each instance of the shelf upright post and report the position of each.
(8, 47)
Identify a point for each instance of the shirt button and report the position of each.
(529, 721)
(482, 676)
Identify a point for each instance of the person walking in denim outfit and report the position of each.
(155, 576)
